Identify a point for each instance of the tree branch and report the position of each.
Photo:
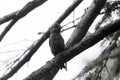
(23, 12)
(8, 17)
(83, 26)
(68, 54)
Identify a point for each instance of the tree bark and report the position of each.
(83, 26)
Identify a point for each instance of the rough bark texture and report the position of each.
(46, 72)
(85, 22)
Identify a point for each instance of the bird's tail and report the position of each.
(64, 66)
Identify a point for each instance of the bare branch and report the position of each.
(8, 17)
(68, 11)
(23, 12)
(7, 28)
(83, 26)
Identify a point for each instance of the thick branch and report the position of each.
(65, 56)
(83, 26)
(46, 72)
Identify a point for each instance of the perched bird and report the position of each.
(56, 41)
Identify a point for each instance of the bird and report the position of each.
(56, 42)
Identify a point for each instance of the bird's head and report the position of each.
(55, 29)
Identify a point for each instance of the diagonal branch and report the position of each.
(7, 28)
(83, 26)
(63, 57)
(36, 46)
(23, 12)
(68, 11)
(8, 17)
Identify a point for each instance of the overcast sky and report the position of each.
(24, 32)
